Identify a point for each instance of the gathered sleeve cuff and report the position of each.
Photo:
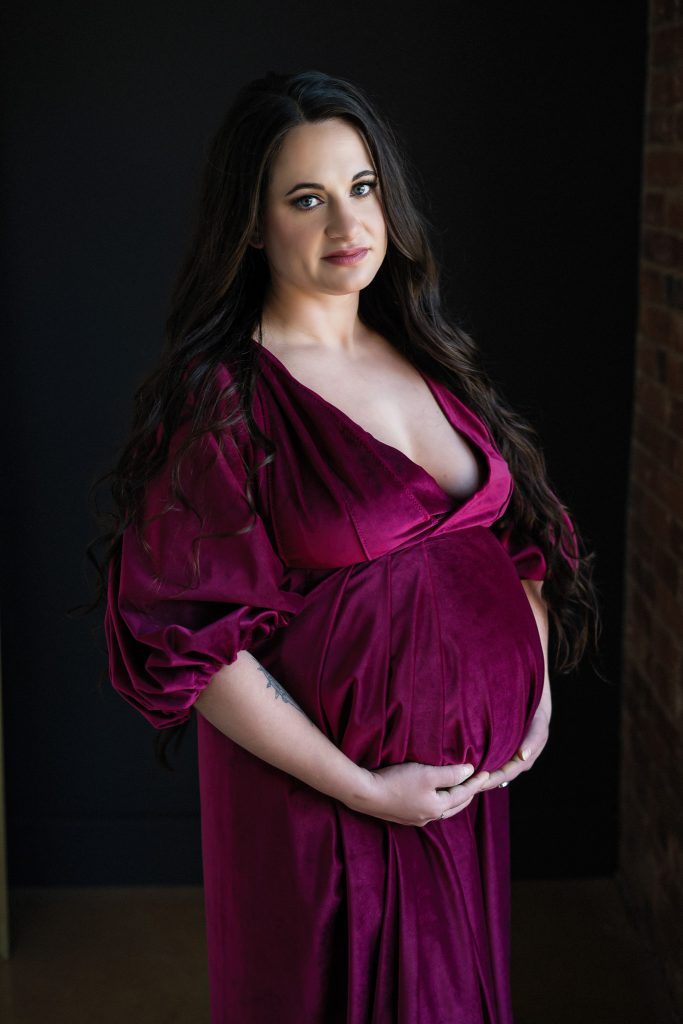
(168, 632)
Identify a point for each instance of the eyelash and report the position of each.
(372, 185)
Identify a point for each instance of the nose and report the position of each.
(342, 221)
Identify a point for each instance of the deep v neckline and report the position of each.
(481, 455)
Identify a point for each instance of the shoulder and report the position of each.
(210, 424)
(213, 395)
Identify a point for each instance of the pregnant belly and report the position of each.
(430, 654)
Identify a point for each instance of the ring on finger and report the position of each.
(502, 785)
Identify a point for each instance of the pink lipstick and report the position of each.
(346, 257)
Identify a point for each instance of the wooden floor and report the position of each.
(138, 956)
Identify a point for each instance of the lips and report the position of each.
(345, 252)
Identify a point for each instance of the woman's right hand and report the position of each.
(412, 793)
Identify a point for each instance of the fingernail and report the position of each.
(468, 770)
(525, 753)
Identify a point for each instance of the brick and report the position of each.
(666, 45)
(643, 467)
(662, 247)
(646, 361)
(668, 488)
(637, 634)
(674, 291)
(641, 612)
(645, 580)
(662, 365)
(636, 498)
(640, 538)
(666, 569)
(668, 649)
(651, 398)
(675, 341)
(666, 931)
(676, 416)
(665, 87)
(676, 538)
(652, 285)
(662, 47)
(673, 210)
(653, 211)
(669, 609)
(641, 653)
(660, 444)
(663, 167)
(647, 434)
(662, 325)
(675, 375)
(662, 833)
(669, 692)
(661, 125)
(654, 515)
(654, 362)
(652, 723)
(664, 10)
(655, 322)
(660, 90)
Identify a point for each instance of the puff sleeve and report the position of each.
(528, 557)
(167, 634)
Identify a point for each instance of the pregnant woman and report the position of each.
(338, 544)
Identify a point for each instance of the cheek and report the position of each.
(293, 234)
(379, 228)
(377, 220)
(288, 244)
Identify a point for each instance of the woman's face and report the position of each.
(323, 197)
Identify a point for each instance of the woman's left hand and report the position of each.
(533, 743)
(537, 734)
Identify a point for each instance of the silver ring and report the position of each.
(503, 785)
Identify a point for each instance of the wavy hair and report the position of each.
(215, 311)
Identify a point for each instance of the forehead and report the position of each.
(331, 147)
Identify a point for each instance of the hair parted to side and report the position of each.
(215, 311)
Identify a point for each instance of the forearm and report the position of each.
(248, 705)
(532, 588)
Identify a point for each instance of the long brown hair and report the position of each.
(216, 309)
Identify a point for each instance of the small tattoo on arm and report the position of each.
(280, 690)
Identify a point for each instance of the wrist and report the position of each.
(363, 789)
(546, 702)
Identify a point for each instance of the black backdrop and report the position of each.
(525, 124)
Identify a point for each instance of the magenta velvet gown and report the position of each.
(397, 620)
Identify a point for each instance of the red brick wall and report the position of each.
(651, 845)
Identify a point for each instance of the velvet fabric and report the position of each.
(397, 620)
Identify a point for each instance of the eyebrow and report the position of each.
(316, 184)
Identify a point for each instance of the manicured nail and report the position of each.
(525, 753)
